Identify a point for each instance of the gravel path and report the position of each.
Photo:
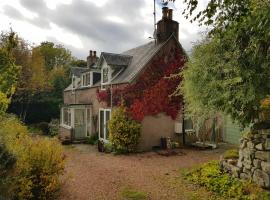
(98, 176)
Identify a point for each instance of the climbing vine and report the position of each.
(152, 91)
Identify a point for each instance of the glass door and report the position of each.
(104, 117)
(79, 123)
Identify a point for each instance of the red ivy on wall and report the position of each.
(151, 93)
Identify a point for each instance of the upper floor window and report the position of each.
(105, 75)
(73, 81)
(86, 79)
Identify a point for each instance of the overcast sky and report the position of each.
(101, 25)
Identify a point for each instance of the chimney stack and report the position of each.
(165, 12)
(167, 26)
(92, 58)
(170, 14)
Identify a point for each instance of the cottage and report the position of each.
(83, 114)
(90, 98)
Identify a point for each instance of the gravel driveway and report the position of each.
(98, 176)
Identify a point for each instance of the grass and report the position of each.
(232, 153)
(132, 194)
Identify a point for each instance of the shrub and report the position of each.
(108, 148)
(92, 140)
(210, 176)
(44, 127)
(232, 153)
(124, 132)
(54, 127)
(39, 162)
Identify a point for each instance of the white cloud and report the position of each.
(91, 24)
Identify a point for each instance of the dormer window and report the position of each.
(86, 79)
(73, 82)
(105, 75)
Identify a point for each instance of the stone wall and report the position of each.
(254, 159)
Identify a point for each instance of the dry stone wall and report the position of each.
(254, 159)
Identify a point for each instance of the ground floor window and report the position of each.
(104, 117)
(66, 116)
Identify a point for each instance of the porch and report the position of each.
(76, 122)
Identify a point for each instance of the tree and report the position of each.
(33, 79)
(229, 72)
(8, 70)
(55, 55)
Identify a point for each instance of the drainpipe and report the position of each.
(183, 126)
(111, 97)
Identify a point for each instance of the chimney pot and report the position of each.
(170, 14)
(95, 54)
(91, 53)
(165, 12)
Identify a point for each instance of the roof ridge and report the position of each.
(118, 54)
(140, 46)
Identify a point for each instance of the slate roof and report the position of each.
(115, 59)
(141, 55)
(77, 71)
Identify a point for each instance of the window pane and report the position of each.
(107, 127)
(88, 122)
(66, 116)
(101, 123)
(105, 72)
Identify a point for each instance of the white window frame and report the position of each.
(103, 84)
(83, 77)
(104, 127)
(71, 111)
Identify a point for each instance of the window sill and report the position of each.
(65, 126)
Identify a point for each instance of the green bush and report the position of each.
(108, 148)
(54, 127)
(92, 140)
(232, 153)
(210, 176)
(39, 162)
(44, 127)
(124, 133)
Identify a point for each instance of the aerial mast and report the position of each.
(155, 22)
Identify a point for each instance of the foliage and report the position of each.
(54, 127)
(152, 92)
(231, 153)
(93, 140)
(8, 71)
(43, 126)
(230, 73)
(44, 75)
(39, 162)
(124, 132)
(210, 176)
(108, 147)
(79, 63)
(55, 56)
(131, 194)
(218, 14)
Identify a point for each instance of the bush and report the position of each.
(210, 176)
(44, 127)
(232, 153)
(92, 140)
(124, 132)
(39, 162)
(54, 127)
